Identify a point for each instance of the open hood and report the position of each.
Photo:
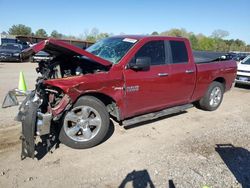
(58, 48)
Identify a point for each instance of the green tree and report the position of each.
(207, 44)
(234, 47)
(90, 38)
(220, 34)
(155, 33)
(56, 34)
(194, 42)
(94, 35)
(41, 33)
(94, 32)
(19, 29)
(70, 37)
(4, 33)
(240, 42)
(176, 33)
(102, 35)
(248, 48)
(221, 45)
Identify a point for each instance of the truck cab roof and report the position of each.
(153, 37)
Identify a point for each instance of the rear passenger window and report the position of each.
(179, 52)
(155, 50)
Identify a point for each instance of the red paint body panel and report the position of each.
(154, 92)
(208, 72)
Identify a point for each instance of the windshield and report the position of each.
(246, 61)
(112, 49)
(10, 46)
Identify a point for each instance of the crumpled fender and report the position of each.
(77, 85)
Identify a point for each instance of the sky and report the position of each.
(75, 17)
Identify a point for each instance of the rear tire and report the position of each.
(86, 124)
(213, 97)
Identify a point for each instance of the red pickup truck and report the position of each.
(129, 78)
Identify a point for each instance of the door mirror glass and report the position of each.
(141, 63)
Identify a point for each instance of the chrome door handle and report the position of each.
(162, 74)
(189, 71)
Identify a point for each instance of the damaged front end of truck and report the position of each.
(42, 111)
(39, 114)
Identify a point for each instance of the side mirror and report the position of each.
(223, 57)
(141, 63)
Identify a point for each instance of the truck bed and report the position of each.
(206, 56)
(207, 71)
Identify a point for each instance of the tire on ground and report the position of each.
(204, 102)
(105, 122)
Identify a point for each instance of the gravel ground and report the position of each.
(190, 149)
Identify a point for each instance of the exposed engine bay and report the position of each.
(62, 67)
(42, 111)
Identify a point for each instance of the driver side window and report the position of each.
(154, 50)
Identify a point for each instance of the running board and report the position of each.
(155, 115)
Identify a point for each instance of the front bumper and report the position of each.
(242, 82)
(40, 58)
(36, 123)
(10, 58)
(27, 116)
(242, 79)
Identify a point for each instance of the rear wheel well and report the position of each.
(213, 97)
(109, 102)
(221, 80)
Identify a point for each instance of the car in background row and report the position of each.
(238, 57)
(41, 56)
(243, 72)
(11, 52)
(24, 44)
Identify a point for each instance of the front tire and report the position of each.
(86, 124)
(213, 97)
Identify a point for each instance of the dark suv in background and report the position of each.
(11, 52)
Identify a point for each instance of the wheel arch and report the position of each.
(108, 101)
(221, 80)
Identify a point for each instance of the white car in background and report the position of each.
(243, 72)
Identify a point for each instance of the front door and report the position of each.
(146, 90)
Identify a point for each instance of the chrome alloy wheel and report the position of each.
(82, 123)
(215, 97)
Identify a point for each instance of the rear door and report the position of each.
(183, 73)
